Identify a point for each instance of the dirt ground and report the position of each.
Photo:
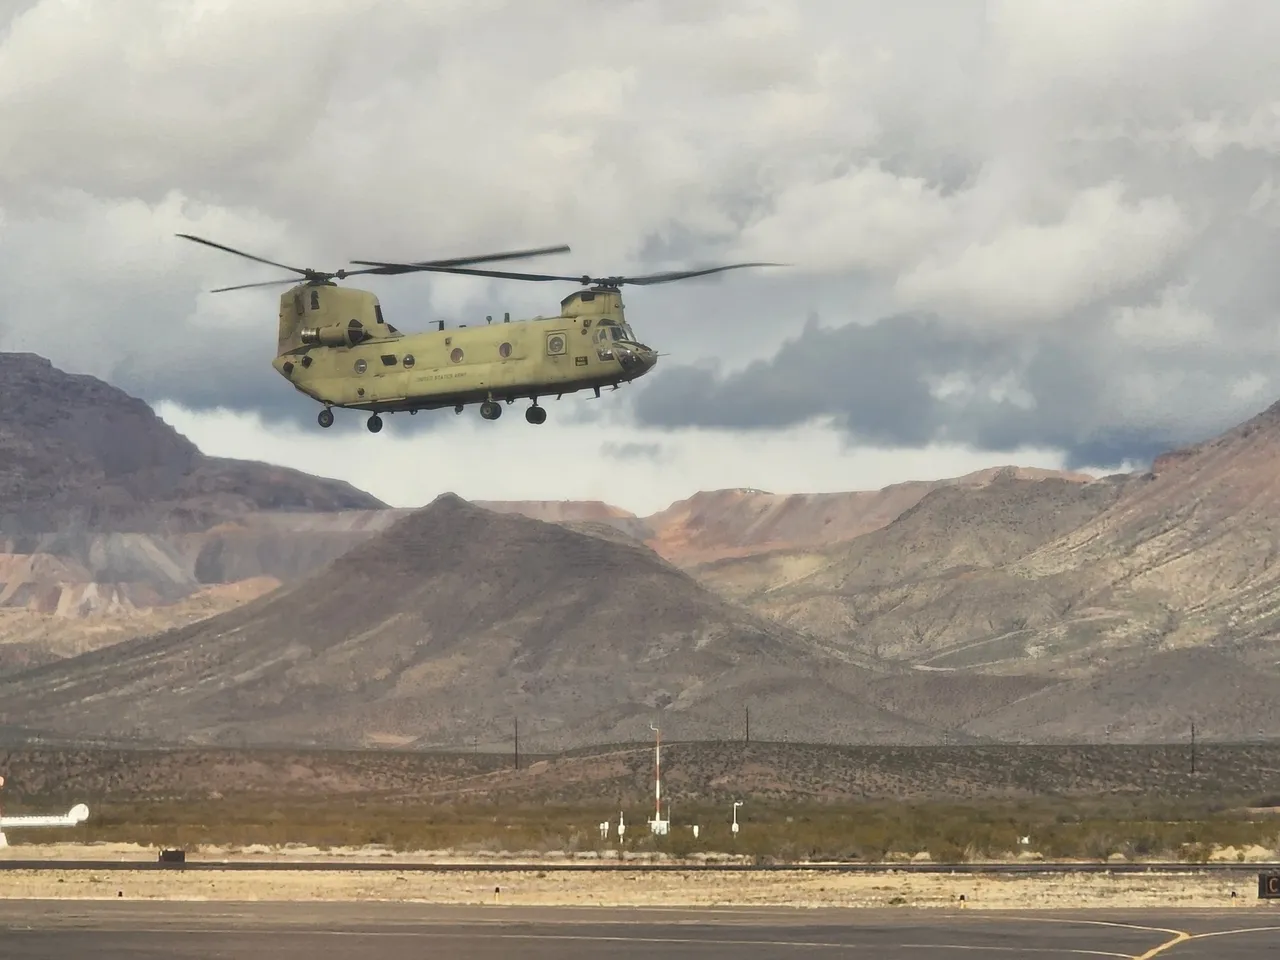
(536, 887)
(26, 850)
(553, 888)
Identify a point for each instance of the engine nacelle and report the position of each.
(337, 334)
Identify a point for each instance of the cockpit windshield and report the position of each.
(611, 330)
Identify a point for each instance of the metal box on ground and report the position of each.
(1269, 886)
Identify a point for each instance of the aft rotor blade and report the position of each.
(652, 278)
(463, 261)
(398, 268)
(241, 253)
(340, 275)
(265, 283)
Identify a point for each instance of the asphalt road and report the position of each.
(112, 930)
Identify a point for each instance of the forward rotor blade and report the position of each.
(685, 274)
(241, 253)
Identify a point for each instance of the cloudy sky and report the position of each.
(1033, 232)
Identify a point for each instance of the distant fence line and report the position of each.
(529, 752)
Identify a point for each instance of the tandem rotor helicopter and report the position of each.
(335, 346)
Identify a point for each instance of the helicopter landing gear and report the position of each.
(374, 424)
(536, 414)
(490, 410)
(325, 419)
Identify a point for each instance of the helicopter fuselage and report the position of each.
(335, 347)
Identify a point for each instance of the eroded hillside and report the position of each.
(448, 626)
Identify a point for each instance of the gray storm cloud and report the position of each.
(1021, 222)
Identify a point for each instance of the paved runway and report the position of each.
(115, 930)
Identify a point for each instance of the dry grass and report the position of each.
(877, 833)
(712, 772)
(802, 802)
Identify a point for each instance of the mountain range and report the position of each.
(151, 593)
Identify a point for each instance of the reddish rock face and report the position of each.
(106, 510)
(718, 524)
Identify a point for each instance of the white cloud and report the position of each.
(1041, 272)
(512, 460)
(868, 219)
(1173, 319)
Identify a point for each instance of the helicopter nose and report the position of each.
(636, 360)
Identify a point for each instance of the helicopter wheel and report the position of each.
(536, 414)
(490, 410)
(325, 419)
(375, 423)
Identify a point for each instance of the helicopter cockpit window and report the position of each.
(377, 312)
(315, 299)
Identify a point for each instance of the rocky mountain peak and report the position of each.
(77, 451)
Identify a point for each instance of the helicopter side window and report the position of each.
(315, 299)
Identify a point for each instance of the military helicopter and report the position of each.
(335, 346)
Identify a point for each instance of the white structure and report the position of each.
(72, 818)
(734, 825)
(604, 829)
(622, 826)
(695, 830)
(657, 825)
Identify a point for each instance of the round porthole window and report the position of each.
(504, 351)
(556, 344)
(456, 356)
(361, 366)
(408, 360)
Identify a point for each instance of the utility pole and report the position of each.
(1193, 746)
(747, 712)
(517, 723)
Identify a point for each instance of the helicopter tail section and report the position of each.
(292, 314)
(328, 315)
